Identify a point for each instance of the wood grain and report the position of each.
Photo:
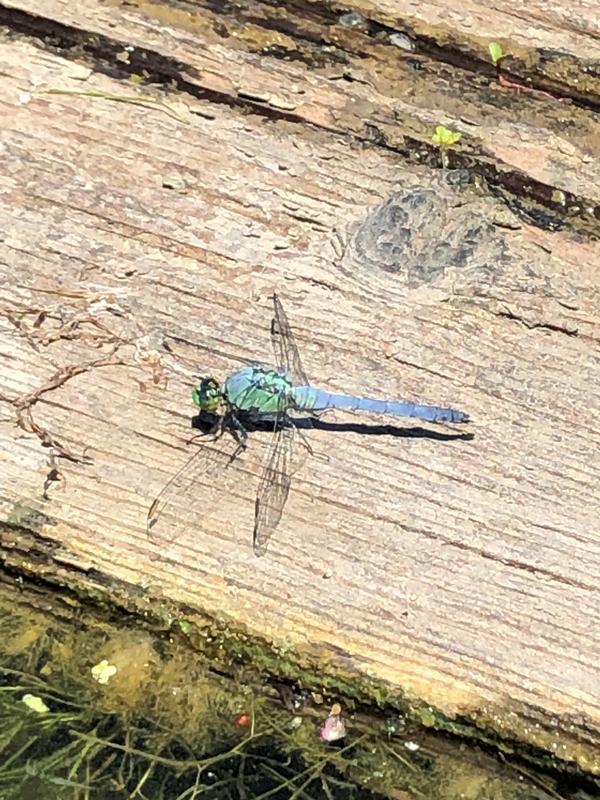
(461, 573)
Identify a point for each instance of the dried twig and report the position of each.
(82, 325)
(24, 403)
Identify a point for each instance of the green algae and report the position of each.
(170, 723)
(258, 665)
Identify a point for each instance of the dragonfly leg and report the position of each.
(193, 438)
(214, 431)
(289, 421)
(231, 423)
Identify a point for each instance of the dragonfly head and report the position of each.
(208, 396)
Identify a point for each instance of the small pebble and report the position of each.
(353, 20)
(403, 41)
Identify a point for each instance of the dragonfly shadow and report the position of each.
(364, 429)
(206, 423)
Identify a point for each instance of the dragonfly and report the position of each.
(276, 397)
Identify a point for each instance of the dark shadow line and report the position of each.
(205, 422)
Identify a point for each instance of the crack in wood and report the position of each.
(546, 326)
(574, 212)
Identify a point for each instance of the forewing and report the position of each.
(273, 489)
(284, 346)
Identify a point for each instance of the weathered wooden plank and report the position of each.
(541, 25)
(463, 573)
(366, 87)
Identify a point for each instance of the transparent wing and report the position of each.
(187, 479)
(214, 489)
(273, 489)
(284, 346)
(283, 459)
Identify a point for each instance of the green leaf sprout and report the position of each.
(444, 137)
(496, 52)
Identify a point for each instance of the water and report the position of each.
(93, 706)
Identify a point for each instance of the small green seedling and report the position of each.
(445, 138)
(496, 53)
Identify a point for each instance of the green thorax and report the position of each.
(257, 390)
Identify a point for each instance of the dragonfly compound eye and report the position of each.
(208, 396)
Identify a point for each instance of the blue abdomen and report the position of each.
(311, 398)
